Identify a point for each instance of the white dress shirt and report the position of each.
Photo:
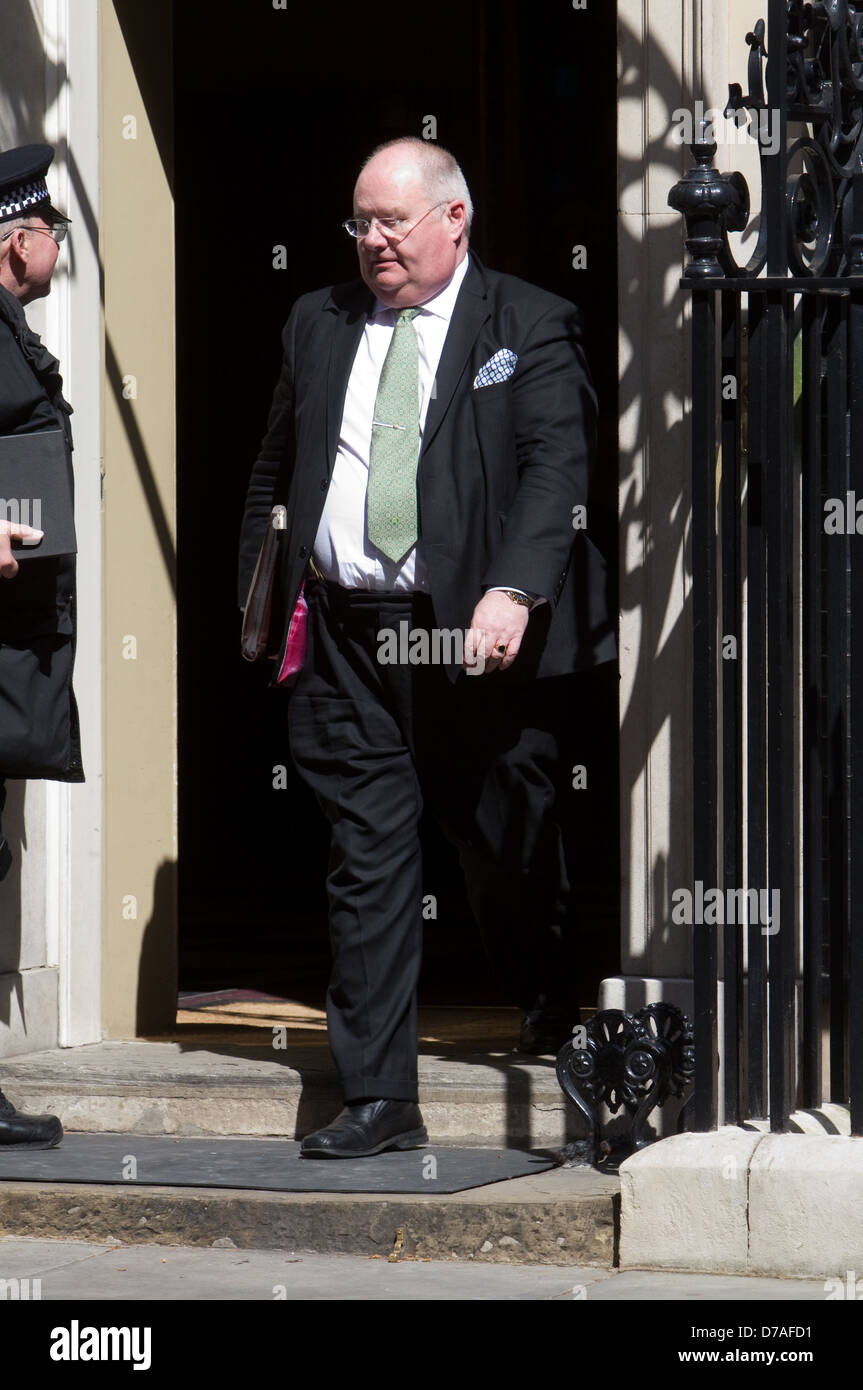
(342, 550)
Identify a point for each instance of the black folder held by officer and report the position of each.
(39, 735)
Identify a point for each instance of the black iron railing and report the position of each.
(777, 580)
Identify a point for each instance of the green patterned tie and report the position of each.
(391, 506)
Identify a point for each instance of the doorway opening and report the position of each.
(274, 113)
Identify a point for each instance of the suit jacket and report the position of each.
(500, 470)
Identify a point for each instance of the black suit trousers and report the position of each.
(378, 742)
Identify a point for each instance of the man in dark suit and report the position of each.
(431, 437)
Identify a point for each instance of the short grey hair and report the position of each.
(442, 177)
(21, 220)
(10, 226)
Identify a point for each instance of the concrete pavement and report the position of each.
(71, 1271)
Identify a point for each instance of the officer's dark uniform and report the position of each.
(39, 736)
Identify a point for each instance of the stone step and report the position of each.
(266, 1070)
(263, 1068)
(562, 1217)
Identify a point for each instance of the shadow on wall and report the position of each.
(655, 498)
(24, 69)
(156, 1010)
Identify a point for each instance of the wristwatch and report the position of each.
(517, 597)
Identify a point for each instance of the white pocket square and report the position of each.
(497, 368)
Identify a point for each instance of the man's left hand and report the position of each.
(495, 633)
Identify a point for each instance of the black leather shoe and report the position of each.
(27, 1131)
(543, 1033)
(368, 1127)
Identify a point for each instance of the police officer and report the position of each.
(39, 736)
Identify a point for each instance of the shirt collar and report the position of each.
(441, 304)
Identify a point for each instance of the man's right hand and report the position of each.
(9, 531)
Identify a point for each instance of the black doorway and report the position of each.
(274, 111)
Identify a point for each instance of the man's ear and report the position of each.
(456, 216)
(18, 244)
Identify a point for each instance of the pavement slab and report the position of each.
(81, 1270)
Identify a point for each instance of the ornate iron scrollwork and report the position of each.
(634, 1061)
(824, 94)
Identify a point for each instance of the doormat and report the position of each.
(208, 999)
(262, 1165)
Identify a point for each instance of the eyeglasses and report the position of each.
(58, 231)
(390, 227)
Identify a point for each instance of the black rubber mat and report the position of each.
(271, 1165)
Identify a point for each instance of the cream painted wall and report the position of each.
(671, 54)
(136, 239)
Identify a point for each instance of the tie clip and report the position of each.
(386, 425)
